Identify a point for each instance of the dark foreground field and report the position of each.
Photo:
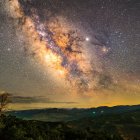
(122, 125)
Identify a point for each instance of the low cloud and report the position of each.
(36, 99)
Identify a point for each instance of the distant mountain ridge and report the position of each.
(61, 114)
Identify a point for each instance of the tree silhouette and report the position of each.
(4, 100)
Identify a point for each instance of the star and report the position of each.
(87, 39)
(8, 49)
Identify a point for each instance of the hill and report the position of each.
(103, 123)
(56, 114)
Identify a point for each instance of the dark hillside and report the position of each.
(122, 125)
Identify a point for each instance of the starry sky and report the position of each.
(77, 53)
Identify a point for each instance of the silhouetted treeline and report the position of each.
(12, 128)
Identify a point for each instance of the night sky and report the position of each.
(76, 53)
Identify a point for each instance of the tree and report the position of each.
(4, 100)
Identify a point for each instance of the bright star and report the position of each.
(87, 39)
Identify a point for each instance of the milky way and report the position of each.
(86, 51)
(62, 48)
